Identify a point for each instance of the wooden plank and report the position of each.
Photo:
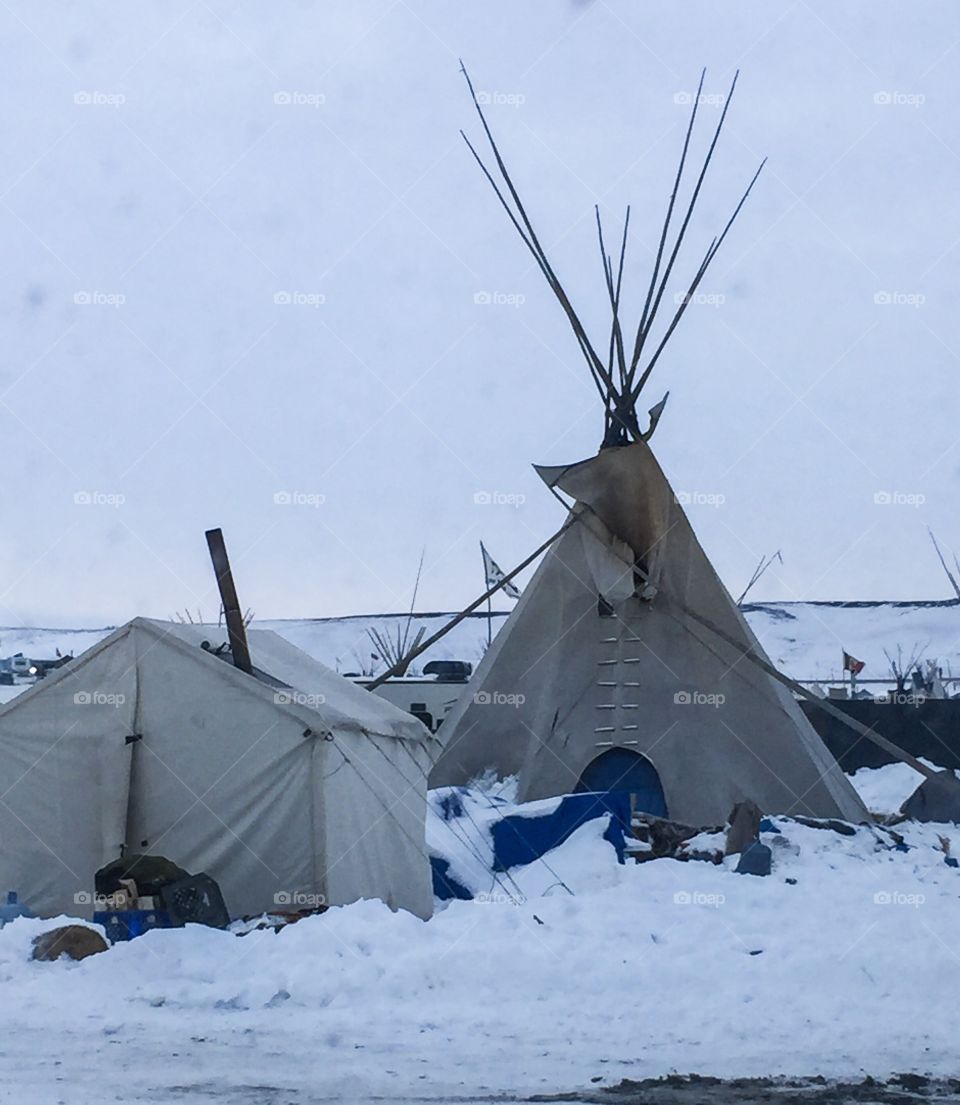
(236, 631)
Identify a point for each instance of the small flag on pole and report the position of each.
(494, 573)
(852, 664)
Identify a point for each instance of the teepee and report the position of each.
(601, 679)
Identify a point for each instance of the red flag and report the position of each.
(852, 664)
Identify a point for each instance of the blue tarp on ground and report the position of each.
(445, 886)
(519, 839)
(523, 834)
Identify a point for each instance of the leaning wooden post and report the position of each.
(236, 631)
(423, 646)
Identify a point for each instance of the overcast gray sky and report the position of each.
(243, 248)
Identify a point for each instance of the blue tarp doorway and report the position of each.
(621, 769)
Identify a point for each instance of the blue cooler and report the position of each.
(125, 924)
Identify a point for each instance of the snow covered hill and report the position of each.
(806, 640)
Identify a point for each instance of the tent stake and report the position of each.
(236, 631)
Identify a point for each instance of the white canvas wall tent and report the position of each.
(291, 787)
(600, 679)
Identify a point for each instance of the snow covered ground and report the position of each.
(850, 966)
(885, 789)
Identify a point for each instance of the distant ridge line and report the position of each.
(750, 607)
(854, 604)
(747, 607)
(57, 629)
(400, 614)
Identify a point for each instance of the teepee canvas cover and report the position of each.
(291, 787)
(584, 665)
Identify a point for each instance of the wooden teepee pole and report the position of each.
(444, 630)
